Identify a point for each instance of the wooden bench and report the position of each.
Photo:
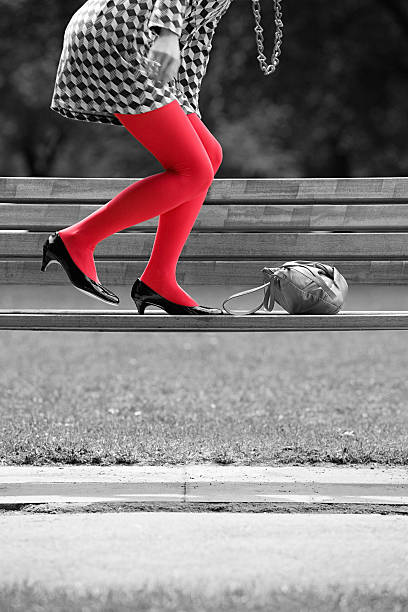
(358, 225)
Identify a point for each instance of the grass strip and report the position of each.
(23, 597)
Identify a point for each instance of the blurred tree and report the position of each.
(335, 106)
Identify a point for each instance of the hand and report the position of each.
(166, 51)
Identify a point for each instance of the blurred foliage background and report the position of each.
(337, 105)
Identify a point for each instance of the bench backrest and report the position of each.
(358, 225)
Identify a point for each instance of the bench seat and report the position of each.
(359, 225)
(128, 321)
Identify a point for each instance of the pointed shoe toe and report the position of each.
(143, 296)
(54, 249)
(102, 292)
(206, 310)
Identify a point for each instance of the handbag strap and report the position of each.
(268, 300)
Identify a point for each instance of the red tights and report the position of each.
(191, 156)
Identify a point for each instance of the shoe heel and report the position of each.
(140, 305)
(46, 259)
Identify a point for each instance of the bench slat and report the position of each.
(325, 245)
(52, 189)
(225, 217)
(128, 321)
(196, 273)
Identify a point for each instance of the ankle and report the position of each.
(158, 278)
(76, 240)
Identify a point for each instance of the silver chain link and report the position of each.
(268, 68)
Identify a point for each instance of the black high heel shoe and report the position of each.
(143, 296)
(54, 249)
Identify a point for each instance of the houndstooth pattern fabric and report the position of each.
(102, 68)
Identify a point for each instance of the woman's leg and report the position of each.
(175, 225)
(169, 135)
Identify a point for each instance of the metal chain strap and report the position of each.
(268, 68)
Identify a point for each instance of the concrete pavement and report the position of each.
(21, 485)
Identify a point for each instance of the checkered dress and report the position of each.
(102, 69)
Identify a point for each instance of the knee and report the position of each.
(201, 174)
(215, 154)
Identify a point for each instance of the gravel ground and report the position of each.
(192, 562)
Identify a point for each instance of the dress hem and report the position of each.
(89, 116)
(107, 118)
